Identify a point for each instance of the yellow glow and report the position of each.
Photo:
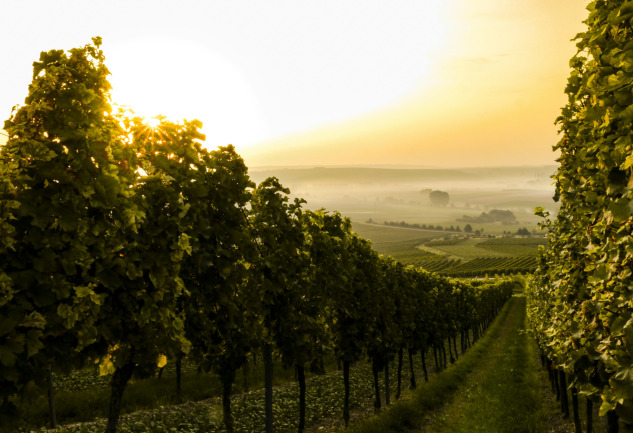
(435, 82)
(153, 122)
(183, 81)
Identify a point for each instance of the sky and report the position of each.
(424, 83)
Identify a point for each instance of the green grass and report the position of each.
(408, 414)
(506, 397)
(494, 387)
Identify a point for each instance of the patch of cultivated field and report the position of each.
(466, 250)
(380, 233)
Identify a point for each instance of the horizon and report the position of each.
(400, 166)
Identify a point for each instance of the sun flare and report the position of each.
(153, 122)
(191, 82)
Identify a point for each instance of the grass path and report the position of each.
(495, 388)
(503, 392)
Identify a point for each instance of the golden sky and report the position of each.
(422, 83)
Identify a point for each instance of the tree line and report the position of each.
(421, 226)
(131, 245)
(494, 216)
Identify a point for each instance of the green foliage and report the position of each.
(65, 186)
(280, 271)
(580, 299)
(126, 245)
(220, 310)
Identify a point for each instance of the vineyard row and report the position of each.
(130, 245)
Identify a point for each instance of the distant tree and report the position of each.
(458, 229)
(468, 228)
(439, 198)
(495, 215)
(523, 232)
(503, 216)
(477, 233)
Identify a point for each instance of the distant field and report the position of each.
(402, 195)
(380, 233)
(399, 243)
(514, 246)
(466, 257)
(466, 250)
(406, 252)
(493, 265)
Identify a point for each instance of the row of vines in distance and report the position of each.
(481, 266)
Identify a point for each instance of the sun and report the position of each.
(183, 80)
(152, 122)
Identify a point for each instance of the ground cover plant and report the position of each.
(323, 395)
